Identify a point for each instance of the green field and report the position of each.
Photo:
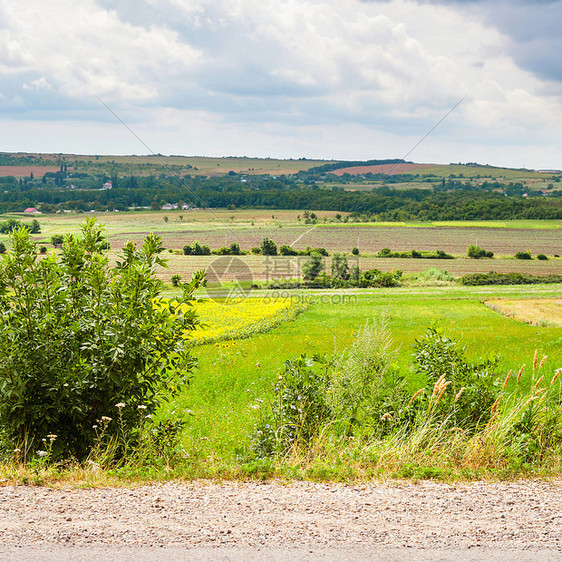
(217, 406)
(236, 373)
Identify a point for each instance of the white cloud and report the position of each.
(332, 78)
(88, 51)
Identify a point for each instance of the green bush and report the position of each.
(12, 224)
(494, 278)
(313, 267)
(468, 398)
(57, 240)
(84, 343)
(299, 408)
(476, 252)
(2, 248)
(268, 247)
(524, 255)
(355, 251)
(196, 249)
(175, 279)
(542, 257)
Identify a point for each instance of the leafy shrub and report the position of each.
(10, 225)
(524, 255)
(57, 240)
(285, 250)
(355, 251)
(84, 343)
(476, 252)
(196, 249)
(340, 268)
(2, 248)
(299, 408)
(437, 255)
(268, 247)
(377, 278)
(542, 257)
(348, 392)
(42, 250)
(494, 278)
(433, 274)
(470, 394)
(175, 279)
(313, 267)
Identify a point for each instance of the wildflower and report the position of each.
(148, 417)
(17, 450)
(94, 427)
(41, 454)
(141, 407)
(52, 437)
(120, 405)
(106, 419)
(387, 416)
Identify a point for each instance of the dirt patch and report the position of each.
(539, 312)
(389, 169)
(25, 171)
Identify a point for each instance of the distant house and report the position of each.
(32, 211)
(169, 206)
(107, 185)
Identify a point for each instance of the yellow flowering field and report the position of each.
(225, 319)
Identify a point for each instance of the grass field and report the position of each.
(245, 343)
(231, 377)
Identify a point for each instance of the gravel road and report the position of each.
(284, 521)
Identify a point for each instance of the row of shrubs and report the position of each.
(494, 278)
(267, 248)
(437, 255)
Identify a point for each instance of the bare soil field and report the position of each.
(512, 517)
(369, 240)
(390, 169)
(25, 171)
(532, 311)
(270, 268)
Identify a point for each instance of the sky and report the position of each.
(328, 79)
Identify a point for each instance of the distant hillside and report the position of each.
(389, 190)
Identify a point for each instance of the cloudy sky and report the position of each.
(345, 79)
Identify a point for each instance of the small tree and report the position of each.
(235, 249)
(57, 240)
(355, 251)
(83, 343)
(524, 255)
(313, 267)
(2, 248)
(340, 269)
(268, 247)
(476, 252)
(176, 278)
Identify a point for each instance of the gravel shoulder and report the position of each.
(285, 521)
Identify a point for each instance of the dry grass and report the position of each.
(539, 312)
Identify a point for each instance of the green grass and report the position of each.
(231, 375)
